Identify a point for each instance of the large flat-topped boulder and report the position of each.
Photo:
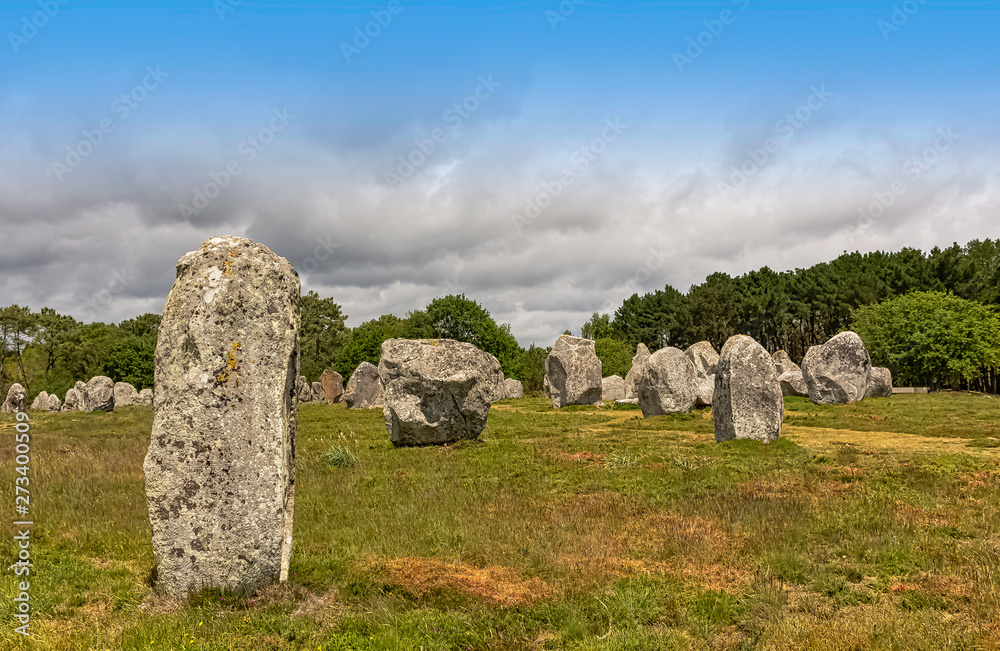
(364, 389)
(221, 463)
(838, 371)
(669, 383)
(747, 403)
(704, 358)
(574, 372)
(436, 390)
(635, 372)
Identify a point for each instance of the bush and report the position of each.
(339, 456)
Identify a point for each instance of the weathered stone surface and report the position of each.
(436, 390)
(705, 391)
(303, 389)
(500, 389)
(574, 372)
(747, 403)
(221, 463)
(668, 384)
(612, 388)
(513, 388)
(41, 401)
(74, 400)
(317, 391)
(333, 386)
(838, 371)
(704, 358)
(145, 398)
(54, 403)
(879, 383)
(17, 400)
(635, 372)
(793, 384)
(783, 363)
(364, 389)
(125, 394)
(99, 394)
(546, 387)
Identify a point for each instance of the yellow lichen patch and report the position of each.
(232, 364)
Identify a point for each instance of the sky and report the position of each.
(547, 159)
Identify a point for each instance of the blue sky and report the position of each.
(824, 105)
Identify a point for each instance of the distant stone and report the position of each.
(627, 401)
(317, 392)
(99, 394)
(574, 372)
(704, 358)
(303, 389)
(513, 388)
(364, 390)
(793, 384)
(74, 400)
(220, 469)
(436, 390)
(635, 372)
(333, 386)
(748, 403)
(41, 401)
(546, 387)
(783, 363)
(145, 398)
(17, 400)
(125, 394)
(838, 371)
(53, 403)
(668, 384)
(612, 388)
(705, 391)
(879, 383)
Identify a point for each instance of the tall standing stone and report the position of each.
(333, 386)
(317, 391)
(838, 371)
(669, 383)
(17, 400)
(747, 403)
(364, 389)
(574, 372)
(635, 372)
(221, 463)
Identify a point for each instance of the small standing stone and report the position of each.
(704, 358)
(364, 390)
(54, 403)
(669, 383)
(317, 391)
(879, 383)
(74, 400)
(574, 372)
(793, 384)
(303, 389)
(41, 401)
(145, 398)
(333, 386)
(783, 363)
(747, 403)
(612, 388)
(99, 394)
(838, 371)
(125, 394)
(635, 372)
(17, 400)
(512, 388)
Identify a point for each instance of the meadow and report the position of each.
(866, 526)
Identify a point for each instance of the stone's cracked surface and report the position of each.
(837, 372)
(704, 358)
(436, 390)
(573, 371)
(669, 383)
(221, 463)
(747, 403)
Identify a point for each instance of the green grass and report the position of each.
(584, 528)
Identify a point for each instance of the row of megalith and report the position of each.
(100, 393)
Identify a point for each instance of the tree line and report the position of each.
(931, 318)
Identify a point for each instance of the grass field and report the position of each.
(868, 526)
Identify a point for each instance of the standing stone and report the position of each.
(364, 390)
(705, 391)
(634, 373)
(783, 363)
(748, 403)
(512, 388)
(879, 383)
(612, 388)
(838, 371)
(54, 403)
(125, 394)
(704, 358)
(317, 390)
(333, 386)
(574, 372)
(99, 394)
(74, 400)
(793, 384)
(669, 383)
(17, 400)
(436, 390)
(41, 401)
(221, 463)
(546, 387)
(145, 398)
(303, 389)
